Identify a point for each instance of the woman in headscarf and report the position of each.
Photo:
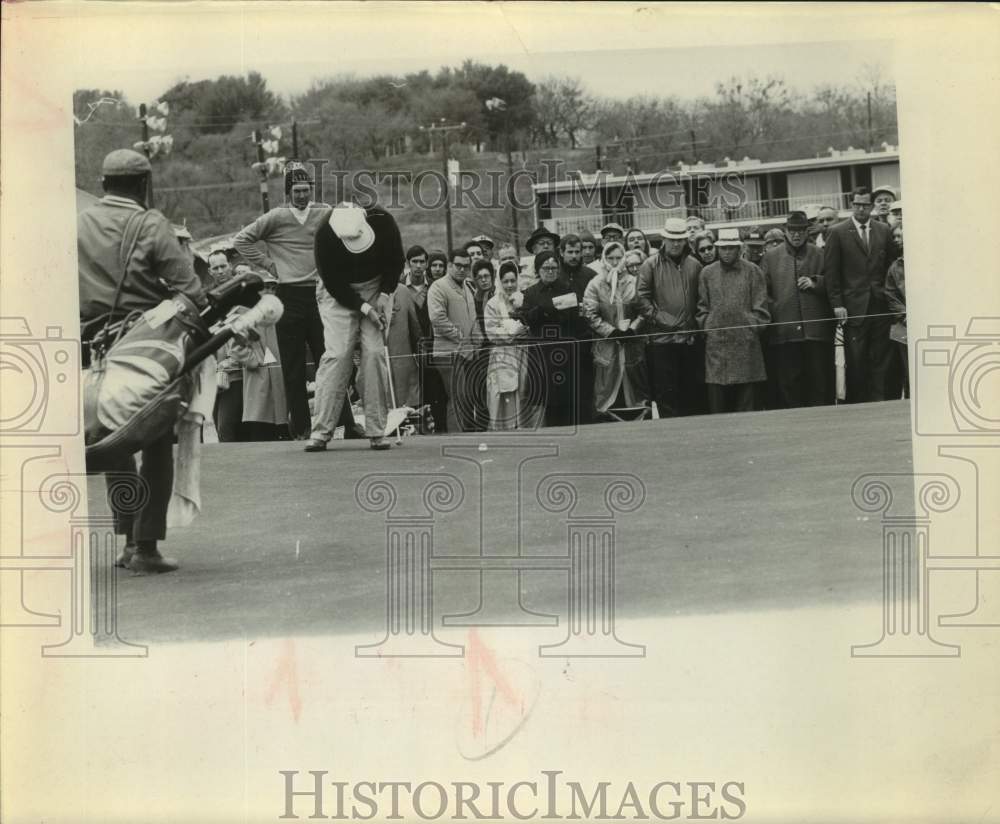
(635, 239)
(484, 285)
(437, 265)
(609, 304)
(507, 376)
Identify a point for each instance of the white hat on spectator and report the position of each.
(675, 229)
(728, 237)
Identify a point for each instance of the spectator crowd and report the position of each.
(620, 326)
(584, 329)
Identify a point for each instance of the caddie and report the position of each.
(122, 241)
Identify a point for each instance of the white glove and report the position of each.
(373, 315)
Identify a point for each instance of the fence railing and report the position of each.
(717, 213)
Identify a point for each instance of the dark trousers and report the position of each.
(231, 427)
(561, 372)
(229, 411)
(433, 394)
(801, 373)
(150, 523)
(586, 413)
(733, 397)
(677, 376)
(867, 355)
(904, 361)
(300, 326)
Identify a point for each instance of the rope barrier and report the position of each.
(539, 342)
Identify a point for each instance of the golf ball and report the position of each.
(483, 447)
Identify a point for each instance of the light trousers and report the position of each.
(343, 328)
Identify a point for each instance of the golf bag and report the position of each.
(140, 381)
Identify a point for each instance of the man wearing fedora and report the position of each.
(667, 297)
(856, 256)
(359, 256)
(540, 240)
(754, 245)
(800, 356)
(732, 309)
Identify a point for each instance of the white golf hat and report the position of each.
(350, 223)
(728, 237)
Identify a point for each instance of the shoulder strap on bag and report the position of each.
(130, 238)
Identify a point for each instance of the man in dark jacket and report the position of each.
(667, 295)
(157, 266)
(552, 311)
(800, 366)
(359, 257)
(855, 259)
(575, 272)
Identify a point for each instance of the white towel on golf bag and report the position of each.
(185, 501)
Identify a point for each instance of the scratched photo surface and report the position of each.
(780, 614)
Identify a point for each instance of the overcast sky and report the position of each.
(616, 50)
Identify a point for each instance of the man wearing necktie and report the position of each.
(856, 258)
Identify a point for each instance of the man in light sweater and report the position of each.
(451, 307)
(359, 255)
(281, 242)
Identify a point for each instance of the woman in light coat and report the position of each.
(507, 386)
(609, 304)
(265, 412)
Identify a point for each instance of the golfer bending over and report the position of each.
(359, 257)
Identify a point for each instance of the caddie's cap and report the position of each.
(774, 234)
(612, 227)
(755, 236)
(124, 163)
(484, 239)
(897, 206)
(887, 189)
(674, 229)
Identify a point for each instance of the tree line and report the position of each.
(381, 122)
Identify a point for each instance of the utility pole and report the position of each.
(264, 196)
(441, 127)
(145, 148)
(510, 191)
(869, 121)
(500, 105)
(295, 139)
(598, 158)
